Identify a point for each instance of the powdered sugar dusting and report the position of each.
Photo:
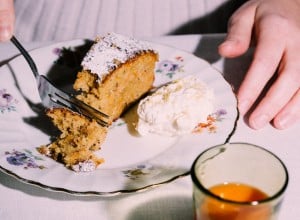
(110, 51)
(85, 166)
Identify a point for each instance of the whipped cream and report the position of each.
(110, 51)
(176, 108)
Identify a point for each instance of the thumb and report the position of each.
(7, 19)
(240, 28)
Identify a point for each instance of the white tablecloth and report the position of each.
(170, 201)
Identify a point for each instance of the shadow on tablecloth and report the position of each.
(168, 207)
(234, 69)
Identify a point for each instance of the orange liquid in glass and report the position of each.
(212, 209)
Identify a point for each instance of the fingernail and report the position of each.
(243, 106)
(229, 41)
(284, 122)
(226, 44)
(260, 121)
(5, 33)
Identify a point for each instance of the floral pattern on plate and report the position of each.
(7, 101)
(210, 125)
(132, 163)
(139, 171)
(26, 159)
(170, 67)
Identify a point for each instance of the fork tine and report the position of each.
(88, 111)
(62, 98)
(87, 107)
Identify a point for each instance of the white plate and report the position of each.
(132, 163)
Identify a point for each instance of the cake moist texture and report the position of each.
(80, 138)
(117, 71)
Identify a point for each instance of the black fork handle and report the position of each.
(26, 55)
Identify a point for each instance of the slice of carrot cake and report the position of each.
(80, 138)
(116, 72)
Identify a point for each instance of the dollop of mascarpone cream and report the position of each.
(176, 108)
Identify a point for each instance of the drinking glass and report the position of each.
(238, 181)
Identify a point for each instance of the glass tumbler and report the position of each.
(238, 181)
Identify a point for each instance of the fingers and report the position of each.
(268, 24)
(265, 62)
(7, 19)
(282, 101)
(281, 97)
(290, 114)
(240, 29)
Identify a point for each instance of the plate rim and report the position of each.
(76, 42)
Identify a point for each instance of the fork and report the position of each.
(51, 96)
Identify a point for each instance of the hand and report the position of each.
(274, 26)
(7, 19)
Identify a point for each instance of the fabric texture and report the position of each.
(48, 20)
